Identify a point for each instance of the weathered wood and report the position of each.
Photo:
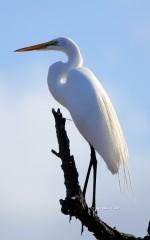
(74, 203)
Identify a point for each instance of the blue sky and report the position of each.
(114, 40)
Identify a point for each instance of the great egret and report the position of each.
(77, 88)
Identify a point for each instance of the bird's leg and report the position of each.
(88, 174)
(87, 179)
(94, 163)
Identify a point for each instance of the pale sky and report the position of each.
(114, 40)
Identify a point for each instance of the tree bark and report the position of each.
(74, 203)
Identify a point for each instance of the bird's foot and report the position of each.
(93, 211)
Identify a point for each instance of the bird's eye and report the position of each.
(53, 43)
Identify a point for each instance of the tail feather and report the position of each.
(118, 154)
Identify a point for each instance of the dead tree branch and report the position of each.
(74, 203)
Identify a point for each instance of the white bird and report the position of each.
(77, 88)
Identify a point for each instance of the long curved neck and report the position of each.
(58, 72)
(74, 55)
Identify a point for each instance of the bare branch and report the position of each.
(74, 204)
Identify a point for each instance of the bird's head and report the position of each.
(59, 44)
(66, 45)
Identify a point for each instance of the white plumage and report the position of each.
(95, 117)
(77, 88)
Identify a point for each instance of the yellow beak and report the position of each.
(40, 46)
